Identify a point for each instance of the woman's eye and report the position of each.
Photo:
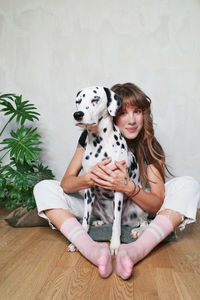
(122, 113)
(138, 111)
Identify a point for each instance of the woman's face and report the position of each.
(130, 121)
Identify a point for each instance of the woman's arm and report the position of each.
(71, 182)
(148, 201)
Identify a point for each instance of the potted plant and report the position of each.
(22, 169)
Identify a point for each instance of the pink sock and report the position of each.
(97, 253)
(130, 254)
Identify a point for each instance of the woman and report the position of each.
(174, 203)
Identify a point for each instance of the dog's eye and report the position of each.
(95, 100)
(78, 101)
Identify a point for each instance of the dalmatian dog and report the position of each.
(95, 109)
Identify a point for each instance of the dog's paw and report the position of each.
(97, 223)
(114, 246)
(72, 248)
(136, 232)
(114, 249)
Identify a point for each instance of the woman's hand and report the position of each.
(110, 176)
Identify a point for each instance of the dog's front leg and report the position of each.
(116, 229)
(88, 203)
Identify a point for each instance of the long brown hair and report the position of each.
(145, 146)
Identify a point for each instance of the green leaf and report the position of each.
(43, 172)
(7, 96)
(30, 202)
(22, 110)
(22, 145)
(20, 176)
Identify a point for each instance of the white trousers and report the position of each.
(182, 195)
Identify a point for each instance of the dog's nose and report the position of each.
(78, 116)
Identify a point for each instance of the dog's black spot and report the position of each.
(116, 137)
(83, 95)
(87, 107)
(120, 137)
(107, 195)
(113, 145)
(89, 198)
(94, 143)
(114, 128)
(133, 164)
(119, 100)
(87, 157)
(133, 216)
(90, 153)
(88, 216)
(94, 91)
(119, 205)
(103, 205)
(99, 149)
(98, 139)
(78, 93)
(118, 143)
(105, 129)
(122, 146)
(100, 119)
(106, 154)
(134, 176)
(96, 155)
(97, 87)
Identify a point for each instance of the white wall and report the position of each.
(50, 49)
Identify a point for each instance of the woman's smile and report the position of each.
(131, 129)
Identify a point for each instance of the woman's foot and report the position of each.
(97, 253)
(102, 258)
(124, 261)
(129, 254)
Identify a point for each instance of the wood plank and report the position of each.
(34, 265)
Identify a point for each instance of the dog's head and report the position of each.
(95, 103)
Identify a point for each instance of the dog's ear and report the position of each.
(114, 102)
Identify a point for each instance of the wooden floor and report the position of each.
(34, 264)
